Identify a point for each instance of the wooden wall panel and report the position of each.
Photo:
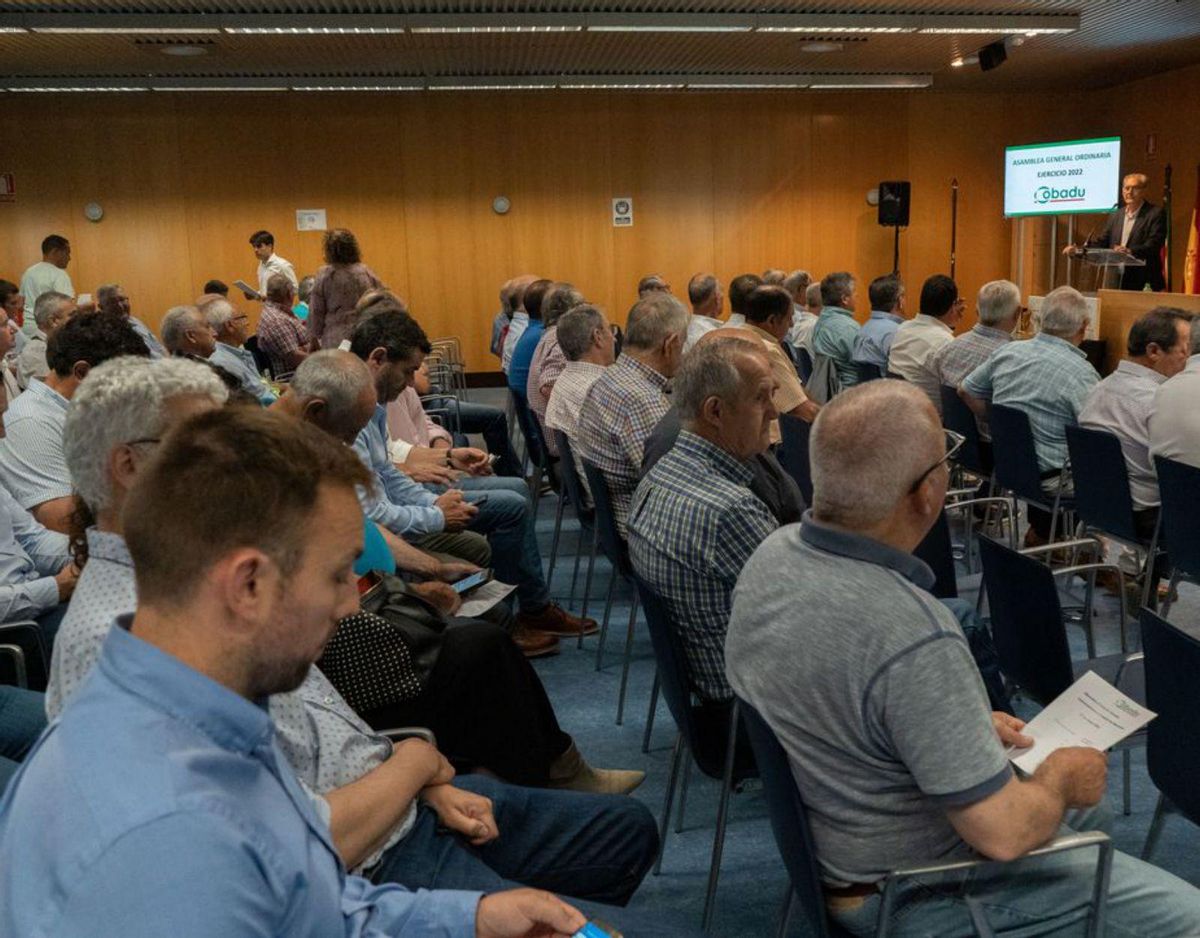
(720, 182)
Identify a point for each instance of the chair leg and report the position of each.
(683, 793)
(650, 713)
(1125, 775)
(1172, 586)
(1088, 601)
(575, 572)
(587, 586)
(633, 611)
(1156, 823)
(785, 913)
(676, 757)
(558, 519)
(612, 585)
(714, 870)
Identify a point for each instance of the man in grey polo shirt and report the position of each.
(870, 686)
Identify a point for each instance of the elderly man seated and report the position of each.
(836, 329)
(32, 465)
(49, 313)
(869, 685)
(1047, 377)
(111, 298)
(282, 337)
(549, 358)
(186, 331)
(874, 340)
(1175, 421)
(229, 326)
(625, 403)
(245, 817)
(704, 293)
(695, 520)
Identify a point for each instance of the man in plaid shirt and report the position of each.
(627, 401)
(282, 336)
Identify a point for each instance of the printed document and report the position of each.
(483, 597)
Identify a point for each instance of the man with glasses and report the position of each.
(229, 324)
(1138, 228)
(869, 685)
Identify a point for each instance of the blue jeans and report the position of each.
(49, 622)
(22, 719)
(507, 521)
(492, 424)
(1040, 896)
(595, 847)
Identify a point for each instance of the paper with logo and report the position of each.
(483, 597)
(1091, 712)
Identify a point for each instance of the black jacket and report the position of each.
(1146, 240)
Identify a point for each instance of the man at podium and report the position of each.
(1137, 228)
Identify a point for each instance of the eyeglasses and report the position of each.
(954, 442)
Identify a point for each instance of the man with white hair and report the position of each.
(695, 519)
(1047, 377)
(798, 283)
(112, 298)
(229, 326)
(51, 310)
(185, 331)
(999, 308)
(704, 293)
(1139, 229)
(869, 685)
(626, 402)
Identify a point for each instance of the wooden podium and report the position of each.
(1119, 308)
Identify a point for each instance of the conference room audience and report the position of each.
(33, 464)
(47, 275)
(695, 520)
(1157, 349)
(623, 404)
(548, 358)
(186, 331)
(502, 319)
(230, 353)
(269, 263)
(708, 302)
(740, 288)
(1175, 419)
(182, 556)
(874, 340)
(520, 318)
(337, 288)
(652, 283)
(808, 311)
(37, 576)
(918, 340)
(22, 719)
(1049, 378)
(773, 276)
(895, 767)
(836, 329)
(999, 308)
(282, 337)
(768, 319)
(111, 298)
(12, 303)
(797, 284)
(49, 313)
(522, 355)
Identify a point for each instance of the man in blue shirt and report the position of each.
(230, 326)
(836, 330)
(522, 356)
(160, 802)
(874, 340)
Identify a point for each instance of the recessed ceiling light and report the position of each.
(313, 30)
(821, 47)
(39, 90)
(496, 29)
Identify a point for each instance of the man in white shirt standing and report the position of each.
(917, 340)
(50, 273)
(269, 263)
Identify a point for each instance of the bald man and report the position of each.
(1139, 229)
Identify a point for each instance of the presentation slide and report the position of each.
(1062, 178)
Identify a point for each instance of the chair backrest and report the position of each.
(868, 371)
(1179, 489)
(1027, 626)
(529, 428)
(938, 552)
(570, 476)
(1014, 453)
(1103, 498)
(793, 455)
(1172, 663)
(957, 416)
(789, 821)
(804, 363)
(262, 361)
(611, 542)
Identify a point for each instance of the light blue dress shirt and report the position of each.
(160, 804)
(834, 336)
(33, 466)
(398, 503)
(29, 557)
(874, 339)
(151, 340)
(239, 362)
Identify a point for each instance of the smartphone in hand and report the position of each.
(597, 929)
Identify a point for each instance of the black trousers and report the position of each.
(486, 705)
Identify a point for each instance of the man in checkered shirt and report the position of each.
(282, 336)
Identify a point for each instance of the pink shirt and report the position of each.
(548, 362)
(409, 425)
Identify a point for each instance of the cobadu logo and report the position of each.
(1044, 195)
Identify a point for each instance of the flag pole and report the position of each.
(1168, 199)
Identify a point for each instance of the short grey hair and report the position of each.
(218, 313)
(1064, 312)
(123, 400)
(812, 295)
(654, 318)
(175, 324)
(869, 444)
(106, 292)
(576, 328)
(711, 370)
(336, 377)
(796, 283)
(47, 306)
(701, 288)
(998, 301)
(558, 299)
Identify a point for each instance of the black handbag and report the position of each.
(384, 653)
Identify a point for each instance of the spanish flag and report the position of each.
(1191, 261)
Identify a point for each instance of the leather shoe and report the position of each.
(557, 621)
(535, 644)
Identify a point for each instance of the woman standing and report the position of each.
(338, 286)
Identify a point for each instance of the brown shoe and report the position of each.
(571, 772)
(557, 621)
(535, 644)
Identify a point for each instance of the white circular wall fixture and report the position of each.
(501, 205)
(93, 211)
(872, 196)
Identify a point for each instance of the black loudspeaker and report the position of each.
(992, 56)
(893, 203)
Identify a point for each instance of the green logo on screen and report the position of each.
(1045, 195)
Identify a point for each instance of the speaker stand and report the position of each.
(896, 251)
